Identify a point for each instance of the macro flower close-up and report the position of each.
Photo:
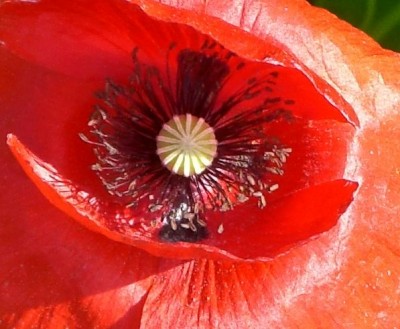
(227, 164)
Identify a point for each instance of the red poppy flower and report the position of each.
(288, 108)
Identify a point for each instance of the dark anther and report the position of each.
(184, 222)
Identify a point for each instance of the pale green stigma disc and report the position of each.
(186, 145)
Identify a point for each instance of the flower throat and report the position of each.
(183, 141)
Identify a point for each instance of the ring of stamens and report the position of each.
(186, 145)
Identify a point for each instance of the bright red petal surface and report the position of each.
(348, 275)
(54, 274)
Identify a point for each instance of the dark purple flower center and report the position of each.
(182, 141)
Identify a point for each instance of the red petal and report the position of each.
(263, 32)
(290, 220)
(27, 92)
(361, 285)
(53, 273)
(54, 35)
(209, 294)
(72, 158)
(87, 61)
